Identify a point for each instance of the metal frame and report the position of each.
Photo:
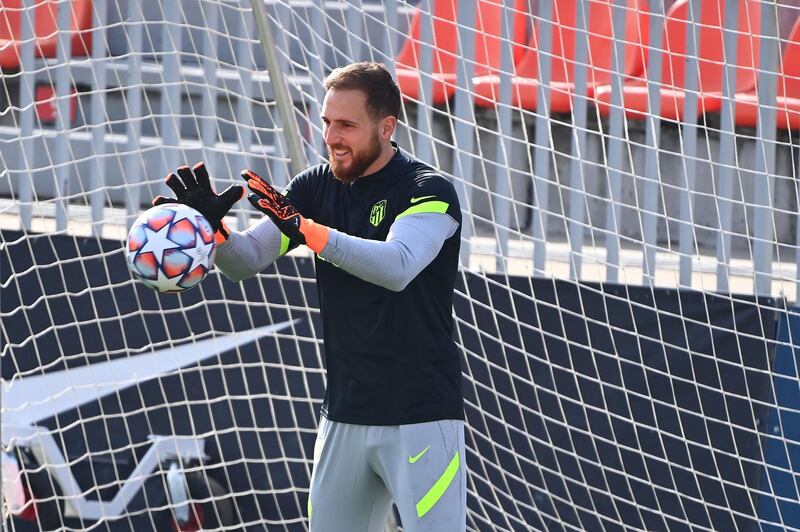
(40, 441)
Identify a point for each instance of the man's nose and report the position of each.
(330, 136)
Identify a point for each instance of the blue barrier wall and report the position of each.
(780, 504)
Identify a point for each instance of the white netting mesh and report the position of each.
(624, 167)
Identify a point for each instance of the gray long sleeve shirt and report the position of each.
(413, 242)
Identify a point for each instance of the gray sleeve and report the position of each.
(249, 252)
(413, 242)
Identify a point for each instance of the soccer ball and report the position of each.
(170, 247)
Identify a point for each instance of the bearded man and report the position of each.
(385, 229)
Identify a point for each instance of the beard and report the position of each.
(359, 160)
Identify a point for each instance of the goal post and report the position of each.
(626, 303)
(297, 158)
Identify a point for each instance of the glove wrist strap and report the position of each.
(316, 234)
(222, 234)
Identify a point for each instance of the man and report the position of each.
(386, 232)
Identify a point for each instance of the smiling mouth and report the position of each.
(339, 154)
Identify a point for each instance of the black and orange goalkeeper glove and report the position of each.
(280, 210)
(192, 187)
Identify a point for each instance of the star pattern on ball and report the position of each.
(158, 242)
(165, 284)
(167, 250)
(185, 214)
(201, 255)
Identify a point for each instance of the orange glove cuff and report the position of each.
(316, 234)
(222, 233)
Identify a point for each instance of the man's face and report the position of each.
(353, 138)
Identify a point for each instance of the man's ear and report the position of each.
(388, 127)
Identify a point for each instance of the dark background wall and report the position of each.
(596, 406)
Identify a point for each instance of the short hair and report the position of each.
(383, 94)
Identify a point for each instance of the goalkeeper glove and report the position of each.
(192, 187)
(280, 210)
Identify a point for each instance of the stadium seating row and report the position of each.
(525, 83)
(46, 31)
(525, 93)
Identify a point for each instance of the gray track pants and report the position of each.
(360, 469)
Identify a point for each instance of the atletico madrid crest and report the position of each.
(377, 213)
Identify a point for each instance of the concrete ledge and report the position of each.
(153, 158)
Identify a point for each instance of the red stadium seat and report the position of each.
(525, 82)
(711, 54)
(46, 17)
(446, 51)
(788, 100)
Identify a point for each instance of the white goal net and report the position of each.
(627, 171)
